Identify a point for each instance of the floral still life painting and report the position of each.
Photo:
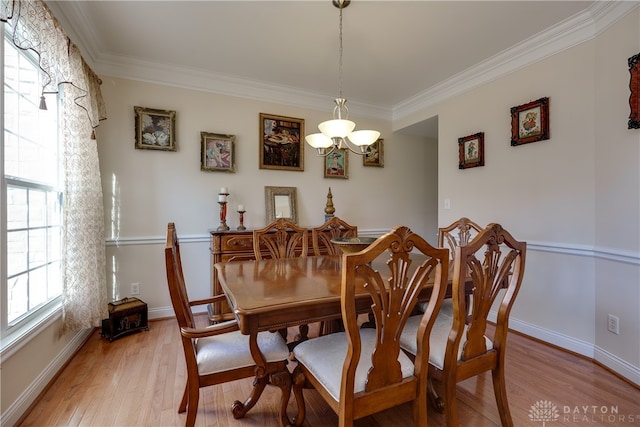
(155, 129)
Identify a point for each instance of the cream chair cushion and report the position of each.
(437, 340)
(324, 357)
(231, 350)
(445, 308)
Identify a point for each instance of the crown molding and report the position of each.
(566, 34)
(571, 32)
(189, 78)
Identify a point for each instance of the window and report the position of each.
(32, 190)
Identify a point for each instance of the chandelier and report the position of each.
(339, 132)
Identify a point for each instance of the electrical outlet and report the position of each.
(613, 324)
(135, 289)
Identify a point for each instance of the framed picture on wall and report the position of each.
(281, 145)
(530, 122)
(471, 151)
(336, 164)
(217, 152)
(374, 154)
(634, 86)
(155, 129)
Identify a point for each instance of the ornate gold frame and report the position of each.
(155, 129)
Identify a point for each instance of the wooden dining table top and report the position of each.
(276, 293)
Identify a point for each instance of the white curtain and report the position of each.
(33, 27)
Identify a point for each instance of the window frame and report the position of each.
(15, 334)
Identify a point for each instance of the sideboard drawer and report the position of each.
(236, 243)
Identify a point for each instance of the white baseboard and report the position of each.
(584, 348)
(619, 366)
(11, 416)
(581, 347)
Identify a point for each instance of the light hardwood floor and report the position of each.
(138, 380)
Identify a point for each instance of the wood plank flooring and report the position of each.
(138, 381)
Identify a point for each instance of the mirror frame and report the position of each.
(270, 194)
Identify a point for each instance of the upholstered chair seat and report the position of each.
(438, 338)
(230, 351)
(324, 354)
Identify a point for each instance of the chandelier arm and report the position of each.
(321, 152)
(359, 152)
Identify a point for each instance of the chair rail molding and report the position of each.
(602, 252)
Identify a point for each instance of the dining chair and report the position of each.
(460, 346)
(332, 228)
(363, 371)
(281, 238)
(321, 237)
(458, 233)
(218, 353)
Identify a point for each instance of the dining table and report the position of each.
(274, 294)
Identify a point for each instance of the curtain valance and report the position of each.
(33, 27)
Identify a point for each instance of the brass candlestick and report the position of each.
(241, 227)
(222, 201)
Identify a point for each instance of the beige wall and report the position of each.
(575, 198)
(617, 189)
(145, 189)
(154, 187)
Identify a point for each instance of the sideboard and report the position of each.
(228, 246)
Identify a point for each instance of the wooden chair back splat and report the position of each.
(458, 233)
(282, 238)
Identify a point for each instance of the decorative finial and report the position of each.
(329, 209)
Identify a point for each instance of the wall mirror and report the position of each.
(280, 202)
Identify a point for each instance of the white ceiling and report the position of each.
(393, 50)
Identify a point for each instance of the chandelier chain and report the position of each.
(340, 54)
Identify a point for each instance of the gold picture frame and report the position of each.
(155, 129)
(336, 164)
(280, 202)
(217, 152)
(281, 143)
(374, 154)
